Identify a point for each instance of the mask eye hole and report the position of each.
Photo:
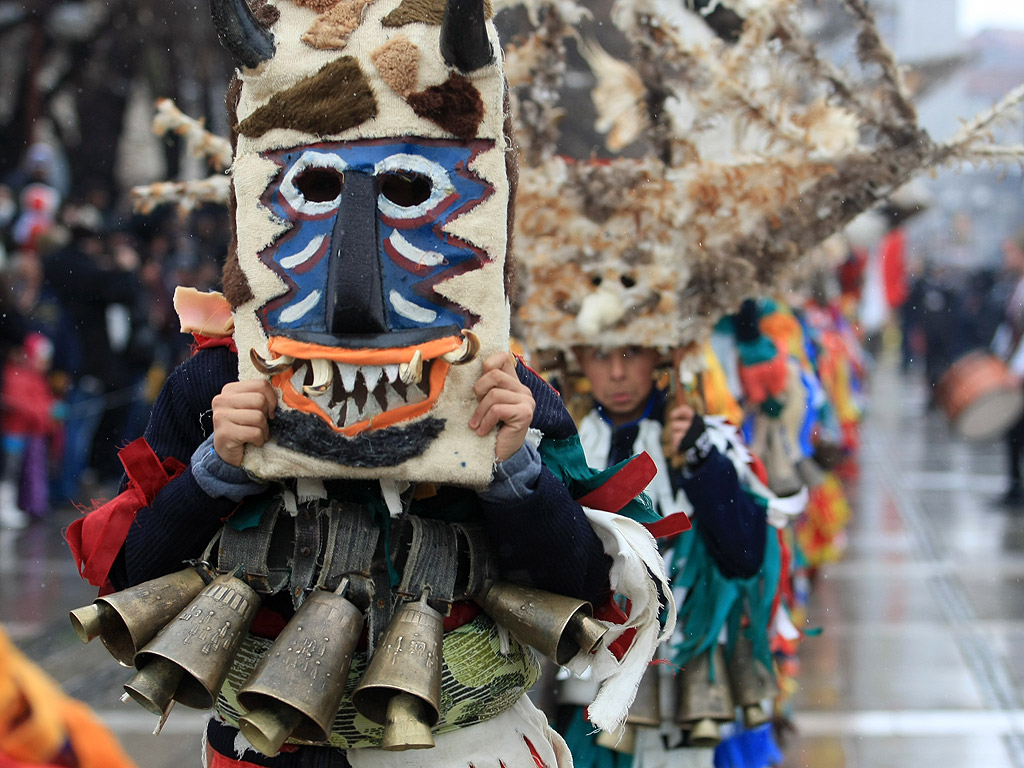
(405, 189)
(412, 189)
(319, 185)
(312, 186)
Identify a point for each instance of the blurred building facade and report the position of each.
(973, 209)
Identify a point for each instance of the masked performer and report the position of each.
(352, 442)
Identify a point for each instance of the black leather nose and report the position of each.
(355, 290)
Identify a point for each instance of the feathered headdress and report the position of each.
(733, 148)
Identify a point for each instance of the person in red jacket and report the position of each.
(28, 424)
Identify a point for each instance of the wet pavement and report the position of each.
(921, 662)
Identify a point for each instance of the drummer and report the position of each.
(1007, 345)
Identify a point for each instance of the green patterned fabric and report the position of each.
(478, 682)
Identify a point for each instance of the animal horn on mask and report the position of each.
(248, 41)
(464, 41)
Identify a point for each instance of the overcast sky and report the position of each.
(978, 14)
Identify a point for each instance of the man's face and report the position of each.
(621, 379)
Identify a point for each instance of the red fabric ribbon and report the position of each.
(207, 342)
(675, 523)
(613, 614)
(628, 483)
(622, 487)
(96, 538)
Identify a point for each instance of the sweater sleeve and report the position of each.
(732, 525)
(183, 518)
(543, 538)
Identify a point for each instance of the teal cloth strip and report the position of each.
(713, 601)
(581, 738)
(565, 458)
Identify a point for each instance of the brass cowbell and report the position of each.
(190, 657)
(750, 682)
(299, 684)
(401, 688)
(704, 704)
(125, 621)
(557, 626)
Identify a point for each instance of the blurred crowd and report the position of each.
(932, 310)
(88, 330)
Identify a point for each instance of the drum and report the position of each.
(980, 396)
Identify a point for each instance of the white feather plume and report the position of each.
(618, 96)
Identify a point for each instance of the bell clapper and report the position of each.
(163, 718)
(342, 587)
(125, 698)
(406, 725)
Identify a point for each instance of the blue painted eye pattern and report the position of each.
(418, 187)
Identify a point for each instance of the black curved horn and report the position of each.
(464, 42)
(248, 41)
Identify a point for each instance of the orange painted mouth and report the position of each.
(356, 390)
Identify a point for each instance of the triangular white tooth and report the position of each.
(371, 375)
(371, 408)
(348, 375)
(395, 400)
(335, 411)
(391, 371)
(351, 413)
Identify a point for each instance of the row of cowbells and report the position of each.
(702, 705)
(181, 633)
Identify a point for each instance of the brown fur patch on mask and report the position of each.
(332, 28)
(425, 11)
(231, 99)
(455, 105)
(317, 5)
(234, 283)
(336, 98)
(398, 62)
(265, 13)
(512, 173)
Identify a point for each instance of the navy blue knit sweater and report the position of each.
(544, 539)
(731, 524)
